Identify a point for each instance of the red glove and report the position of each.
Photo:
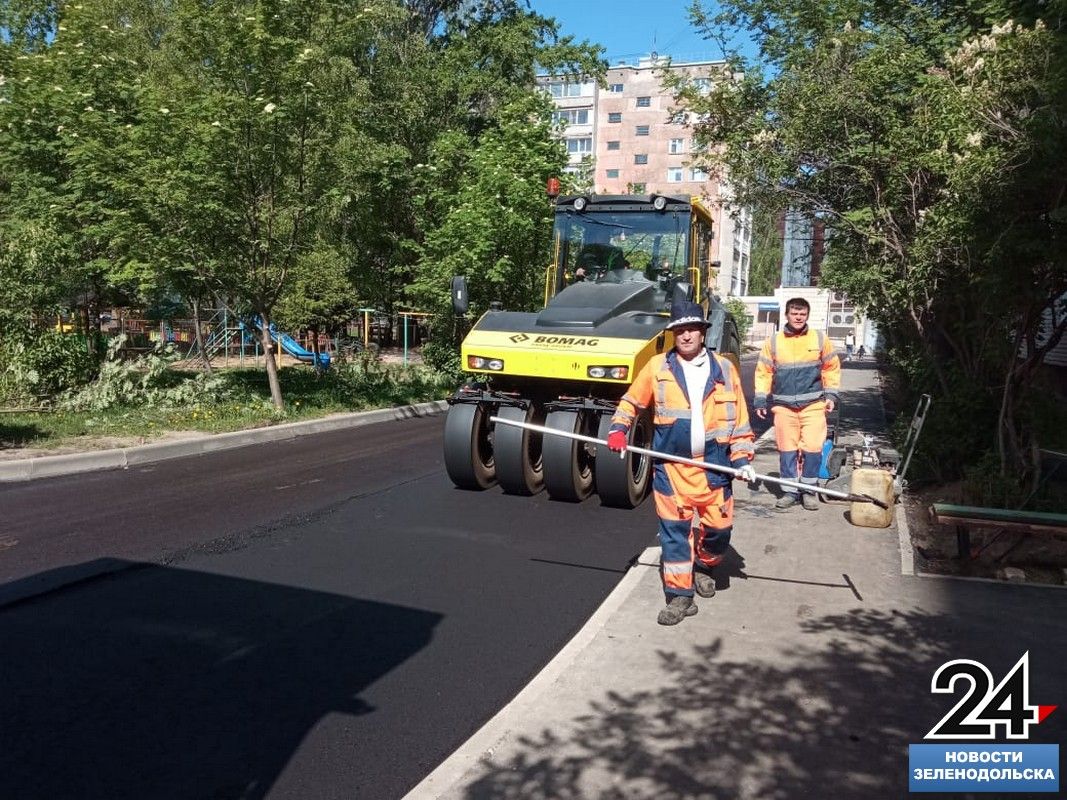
(617, 441)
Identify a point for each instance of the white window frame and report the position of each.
(571, 116)
(676, 146)
(568, 89)
(615, 88)
(643, 157)
(644, 102)
(675, 175)
(577, 145)
(696, 174)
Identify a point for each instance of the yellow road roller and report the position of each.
(619, 262)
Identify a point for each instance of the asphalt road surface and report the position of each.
(322, 618)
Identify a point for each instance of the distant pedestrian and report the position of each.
(798, 375)
(861, 352)
(850, 345)
(699, 412)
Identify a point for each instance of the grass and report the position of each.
(242, 401)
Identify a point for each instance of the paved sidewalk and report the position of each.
(807, 675)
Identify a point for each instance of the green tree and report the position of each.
(497, 231)
(931, 142)
(765, 271)
(320, 296)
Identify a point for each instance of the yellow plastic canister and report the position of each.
(877, 483)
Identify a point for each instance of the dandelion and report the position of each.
(269, 108)
(216, 124)
(59, 128)
(164, 111)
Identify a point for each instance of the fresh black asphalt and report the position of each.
(326, 617)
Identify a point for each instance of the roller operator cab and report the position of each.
(619, 262)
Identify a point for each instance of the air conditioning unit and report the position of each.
(839, 297)
(837, 320)
(850, 319)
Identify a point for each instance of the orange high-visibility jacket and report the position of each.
(728, 439)
(796, 370)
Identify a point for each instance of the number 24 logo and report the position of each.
(984, 706)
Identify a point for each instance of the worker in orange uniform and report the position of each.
(699, 412)
(798, 376)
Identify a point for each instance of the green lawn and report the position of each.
(243, 401)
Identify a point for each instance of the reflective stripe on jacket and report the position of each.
(728, 439)
(795, 370)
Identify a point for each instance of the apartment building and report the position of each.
(628, 138)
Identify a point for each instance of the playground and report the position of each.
(232, 340)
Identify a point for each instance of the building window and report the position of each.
(702, 85)
(582, 144)
(571, 116)
(676, 146)
(637, 188)
(565, 89)
(612, 173)
(674, 175)
(697, 175)
(641, 130)
(644, 102)
(613, 145)
(677, 118)
(641, 158)
(615, 88)
(615, 116)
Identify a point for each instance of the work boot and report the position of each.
(677, 609)
(704, 584)
(810, 501)
(786, 501)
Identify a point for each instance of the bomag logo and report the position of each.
(518, 338)
(566, 341)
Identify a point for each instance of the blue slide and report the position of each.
(293, 348)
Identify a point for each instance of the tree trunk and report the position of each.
(317, 364)
(272, 366)
(199, 336)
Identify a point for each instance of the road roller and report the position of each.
(619, 262)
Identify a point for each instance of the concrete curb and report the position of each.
(123, 458)
(482, 743)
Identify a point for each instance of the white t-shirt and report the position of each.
(696, 374)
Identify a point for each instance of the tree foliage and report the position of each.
(284, 156)
(931, 140)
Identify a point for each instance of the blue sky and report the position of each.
(629, 29)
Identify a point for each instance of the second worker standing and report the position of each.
(798, 376)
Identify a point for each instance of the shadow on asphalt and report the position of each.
(831, 719)
(154, 682)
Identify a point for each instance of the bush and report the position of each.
(145, 382)
(43, 364)
(443, 357)
(739, 311)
